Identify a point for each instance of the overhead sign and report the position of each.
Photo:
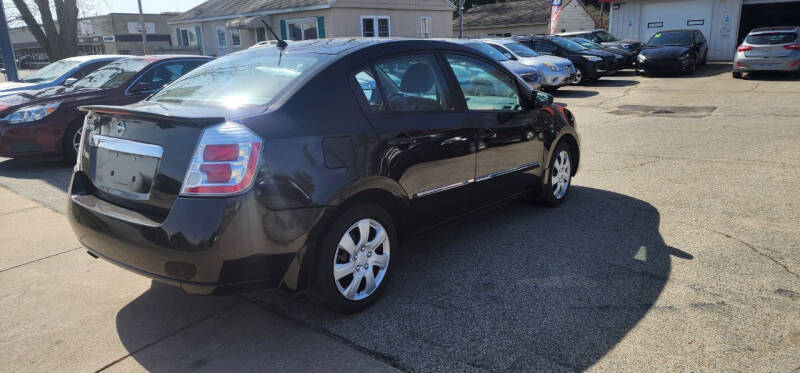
(133, 28)
(108, 39)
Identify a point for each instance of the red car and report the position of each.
(47, 122)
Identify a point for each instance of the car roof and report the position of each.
(578, 32)
(96, 57)
(163, 57)
(677, 31)
(344, 46)
(763, 30)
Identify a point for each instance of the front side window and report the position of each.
(493, 50)
(222, 40)
(251, 78)
(484, 86)
(236, 37)
(166, 73)
(413, 84)
(375, 27)
(302, 29)
(113, 74)
(425, 27)
(369, 88)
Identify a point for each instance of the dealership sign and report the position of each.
(134, 28)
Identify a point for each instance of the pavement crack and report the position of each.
(200, 321)
(40, 259)
(20, 210)
(641, 164)
(712, 160)
(755, 250)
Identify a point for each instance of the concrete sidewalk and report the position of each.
(65, 311)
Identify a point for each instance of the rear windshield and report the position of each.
(251, 78)
(771, 38)
(605, 36)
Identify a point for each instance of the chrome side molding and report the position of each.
(492, 175)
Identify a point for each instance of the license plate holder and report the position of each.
(124, 171)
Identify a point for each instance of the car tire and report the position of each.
(580, 76)
(558, 173)
(736, 75)
(692, 68)
(344, 246)
(71, 140)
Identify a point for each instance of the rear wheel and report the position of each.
(559, 176)
(71, 141)
(353, 258)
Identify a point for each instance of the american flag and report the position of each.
(555, 12)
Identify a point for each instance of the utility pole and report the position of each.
(460, 19)
(9, 62)
(142, 29)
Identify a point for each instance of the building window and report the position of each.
(222, 40)
(186, 37)
(375, 27)
(302, 28)
(261, 34)
(236, 37)
(425, 27)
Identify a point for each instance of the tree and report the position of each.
(58, 35)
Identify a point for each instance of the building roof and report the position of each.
(526, 12)
(219, 10)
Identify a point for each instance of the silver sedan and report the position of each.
(768, 49)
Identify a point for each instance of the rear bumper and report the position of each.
(203, 245)
(791, 63)
(39, 138)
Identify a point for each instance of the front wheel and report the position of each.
(354, 257)
(579, 76)
(559, 176)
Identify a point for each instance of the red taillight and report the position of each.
(794, 47)
(794, 64)
(744, 48)
(225, 162)
(739, 64)
(221, 153)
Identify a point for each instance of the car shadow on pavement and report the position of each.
(520, 287)
(573, 92)
(610, 83)
(52, 171)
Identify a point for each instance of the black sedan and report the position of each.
(303, 167)
(591, 64)
(624, 59)
(673, 51)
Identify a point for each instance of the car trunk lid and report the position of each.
(137, 156)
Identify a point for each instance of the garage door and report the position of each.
(670, 15)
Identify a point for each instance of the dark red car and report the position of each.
(47, 122)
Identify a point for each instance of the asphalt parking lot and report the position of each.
(678, 250)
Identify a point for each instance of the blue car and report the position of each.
(62, 72)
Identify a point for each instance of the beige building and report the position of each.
(218, 27)
(523, 18)
(113, 33)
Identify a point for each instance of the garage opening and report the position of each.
(766, 15)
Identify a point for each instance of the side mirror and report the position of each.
(142, 87)
(510, 56)
(541, 99)
(69, 81)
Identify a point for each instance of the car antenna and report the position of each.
(281, 43)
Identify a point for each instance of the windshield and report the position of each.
(113, 74)
(252, 78)
(486, 48)
(520, 50)
(587, 43)
(604, 36)
(771, 38)
(51, 72)
(671, 38)
(568, 44)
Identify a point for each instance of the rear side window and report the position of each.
(413, 83)
(544, 47)
(368, 88)
(484, 86)
(771, 38)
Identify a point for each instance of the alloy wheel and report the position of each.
(361, 259)
(76, 139)
(578, 77)
(560, 175)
